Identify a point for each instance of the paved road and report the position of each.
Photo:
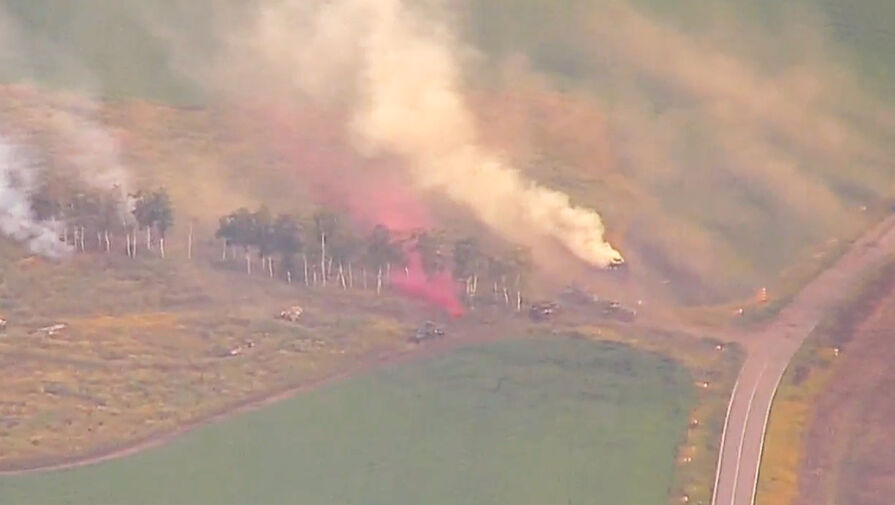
(769, 351)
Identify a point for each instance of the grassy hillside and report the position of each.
(709, 187)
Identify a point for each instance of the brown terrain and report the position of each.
(851, 441)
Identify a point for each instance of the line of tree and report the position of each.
(324, 249)
(108, 215)
(321, 250)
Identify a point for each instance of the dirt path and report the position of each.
(770, 349)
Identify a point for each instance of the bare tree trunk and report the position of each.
(289, 276)
(329, 268)
(270, 266)
(65, 234)
(161, 246)
(350, 276)
(475, 284)
(149, 238)
(108, 241)
(388, 274)
(342, 277)
(315, 277)
(83, 232)
(127, 243)
(304, 258)
(224, 252)
(323, 257)
(406, 273)
(248, 263)
(379, 282)
(99, 240)
(189, 243)
(518, 301)
(506, 296)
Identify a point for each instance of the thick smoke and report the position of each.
(87, 148)
(17, 220)
(82, 145)
(397, 71)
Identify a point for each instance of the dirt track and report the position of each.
(769, 351)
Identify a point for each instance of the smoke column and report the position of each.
(17, 220)
(406, 101)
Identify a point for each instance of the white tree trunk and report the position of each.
(329, 268)
(161, 246)
(148, 238)
(248, 263)
(189, 243)
(83, 233)
(270, 266)
(224, 252)
(65, 234)
(388, 274)
(99, 240)
(342, 277)
(108, 241)
(379, 282)
(518, 301)
(323, 257)
(127, 243)
(315, 278)
(406, 273)
(350, 277)
(289, 276)
(304, 258)
(475, 284)
(506, 296)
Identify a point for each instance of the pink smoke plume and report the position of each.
(438, 289)
(321, 159)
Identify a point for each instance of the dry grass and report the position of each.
(805, 381)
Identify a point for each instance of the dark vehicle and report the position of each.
(428, 331)
(543, 311)
(618, 312)
(577, 296)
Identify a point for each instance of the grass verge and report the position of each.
(805, 379)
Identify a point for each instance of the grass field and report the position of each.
(559, 421)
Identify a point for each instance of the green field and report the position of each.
(516, 422)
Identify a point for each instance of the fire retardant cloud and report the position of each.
(17, 220)
(397, 71)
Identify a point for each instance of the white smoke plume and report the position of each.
(89, 148)
(403, 80)
(17, 221)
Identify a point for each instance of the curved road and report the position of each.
(769, 351)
